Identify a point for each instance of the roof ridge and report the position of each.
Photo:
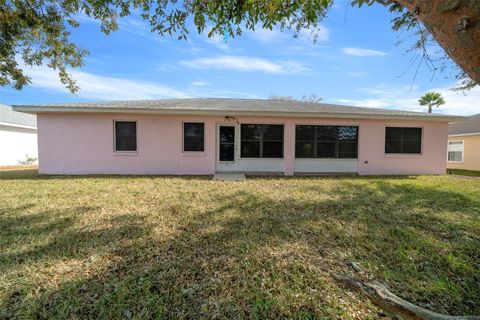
(231, 106)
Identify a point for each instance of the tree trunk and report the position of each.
(429, 108)
(455, 24)
(380, 295)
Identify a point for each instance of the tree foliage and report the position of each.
(313, 98)
(431, 99)
(423, 41)
(35, 32)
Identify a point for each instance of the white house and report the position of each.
(18, 136)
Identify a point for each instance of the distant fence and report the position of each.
(19, 167)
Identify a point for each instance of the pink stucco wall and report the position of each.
(83, 144)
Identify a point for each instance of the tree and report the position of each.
(431, 99)
(455, 25)
(34, 32)
(313, 98)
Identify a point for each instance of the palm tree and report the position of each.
(431, 99)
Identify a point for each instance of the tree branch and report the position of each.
(380, 295)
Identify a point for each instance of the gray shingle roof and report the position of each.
(469, 125)
(8, 116)
(233, 107)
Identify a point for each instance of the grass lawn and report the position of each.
(462, 172)
(168, 247)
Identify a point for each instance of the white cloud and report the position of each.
(363, 52)
(137, 27)
(133, 24)
(266, 35)
(98, 87)
(384, 96)
(218, 42)
(244, 63)
(199, 83)
(320, 35)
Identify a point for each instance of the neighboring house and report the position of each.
(18, 136)
(205, 136)
(464, 144)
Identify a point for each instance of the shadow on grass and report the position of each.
(32, 174)
(67, 242)
(254, 256)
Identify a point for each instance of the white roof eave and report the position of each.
(218, 112)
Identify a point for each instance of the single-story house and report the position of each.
(18, 136)
(464, 144)
(206, 136)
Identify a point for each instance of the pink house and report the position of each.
(205, 136)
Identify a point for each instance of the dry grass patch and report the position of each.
(166, 247)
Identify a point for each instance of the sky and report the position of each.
(354, 61)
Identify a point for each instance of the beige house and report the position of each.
(464, 144)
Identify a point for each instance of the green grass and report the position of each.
(108, 247)
(462, 172)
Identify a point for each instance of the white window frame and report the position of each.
(463, 150)
(115, 137)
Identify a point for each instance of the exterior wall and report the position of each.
(471, 153)
(326, 165)
(83, 144)
(15, 143)
(372, 159)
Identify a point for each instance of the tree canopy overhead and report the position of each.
(34, 32)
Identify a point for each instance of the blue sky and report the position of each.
(355, 61)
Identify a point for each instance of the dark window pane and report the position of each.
(304, 150)
(414, 134)
(125, 136)
(251, 132)
(303, 133)
(193, 144)
(393, 133)
(412, 147)
(250, 149)
(227, 134)
(326, 149)
(331, 141)
(326, 133)
(227, 152)
(272, 132)
(403, 140)
(193, 137)
(261, 140)
(227, 143)
(273, 149)
(393, 147)
(347, 149)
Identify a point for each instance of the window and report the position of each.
(326, 141)
(403, 140)
(193, 137)
(261, 141)
(455, 151)
(125, 136)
